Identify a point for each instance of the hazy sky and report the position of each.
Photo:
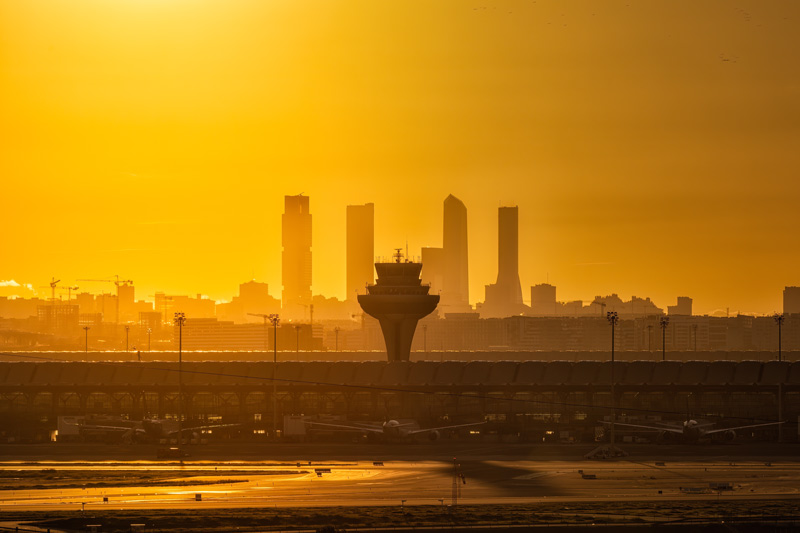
(652, 147)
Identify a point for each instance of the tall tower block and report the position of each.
(296, 258)
(360, 249)
(455, 293)
(508, 254)
(398, 300)
(504, 298)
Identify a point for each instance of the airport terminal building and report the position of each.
(522, 400)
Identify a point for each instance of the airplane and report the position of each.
(392, 429)
(692, 431)
(118, 430)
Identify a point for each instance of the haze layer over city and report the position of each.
(269, 265)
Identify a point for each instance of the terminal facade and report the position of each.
(522, 400)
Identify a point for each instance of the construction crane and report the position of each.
(602, 306)
(53, 284)
(69, 291)
(116, 281)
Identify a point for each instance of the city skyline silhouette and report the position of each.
(20, 286)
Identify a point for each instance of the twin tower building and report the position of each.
(399, 299)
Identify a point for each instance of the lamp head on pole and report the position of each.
(274, 319)
(180, 319)
(612, 317)
(664, 321)
(779, 318)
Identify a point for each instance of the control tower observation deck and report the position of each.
(398, 300)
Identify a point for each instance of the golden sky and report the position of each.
(652, 147)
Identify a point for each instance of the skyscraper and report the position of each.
(504, 298)
(455, 292)
(791, 300)
(360, 249)
(296, 258)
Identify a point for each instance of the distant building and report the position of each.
(198, 307)
(296, 259)
(20, 307)
(61, 319)
(360, 249)
(791, 300)
(331, 309)
(150, 320)
(127, 302)
(504, 298)
(106, 304)
(543, 300)
(684, 307)
(455, 289)
(212, 334)
(253, 298)
(634, 307)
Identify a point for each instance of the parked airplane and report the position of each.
(391, 429)
(692, 431)
(118, 430)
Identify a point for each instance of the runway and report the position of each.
(486, 480)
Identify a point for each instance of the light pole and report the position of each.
(613, 319)
(425, 338)
(694, 329)
(266, 331)
(127, 331)
(275, 319)
(297, 345)
(779, 318)
(336, 330)
(180, 320)
(149, 331)
(664, 321)
(86, 329)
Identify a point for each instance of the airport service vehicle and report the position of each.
(391, 429)
(692, 431)
(171, 453)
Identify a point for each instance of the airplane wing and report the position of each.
(360, 429)
(742, 427)
(90, 427)
(652, 428)
(418, 431)
(200, 428)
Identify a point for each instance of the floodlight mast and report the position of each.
(86, 330)
(613, 319)
(275, 320)
(180, 320)
(664, 322)
(779, 318)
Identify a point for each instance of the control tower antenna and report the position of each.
(398, 255)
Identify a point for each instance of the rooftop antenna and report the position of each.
(406, 249)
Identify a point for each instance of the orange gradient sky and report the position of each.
(652, 147)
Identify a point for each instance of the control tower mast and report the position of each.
(398, 299)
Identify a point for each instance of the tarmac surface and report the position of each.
(297, 475)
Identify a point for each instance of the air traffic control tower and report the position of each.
(398, 300)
